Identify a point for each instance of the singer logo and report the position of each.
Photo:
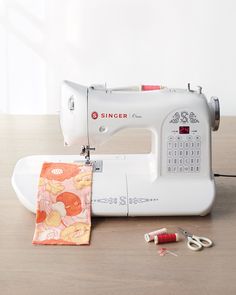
(95, 115)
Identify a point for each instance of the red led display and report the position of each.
(183, 129)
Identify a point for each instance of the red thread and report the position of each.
(166, 238)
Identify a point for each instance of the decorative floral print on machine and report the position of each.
(63, 206)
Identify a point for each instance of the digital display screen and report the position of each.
(183, 129)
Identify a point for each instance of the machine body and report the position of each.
(175, 178)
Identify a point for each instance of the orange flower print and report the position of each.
(40, 216)
(59, 171)
(72, 203)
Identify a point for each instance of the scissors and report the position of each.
(196, 243)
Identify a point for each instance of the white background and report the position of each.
(120, 42)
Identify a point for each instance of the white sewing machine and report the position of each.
(175, 178)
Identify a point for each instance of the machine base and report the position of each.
(123, 185)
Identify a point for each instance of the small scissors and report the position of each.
(196, 243)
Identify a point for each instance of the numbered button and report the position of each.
(197, 169)
(181, 161)
(198, 145)
(192, 161)
(181, 153)
(186, 144)
(175, 153)
(175, 169)
(169, 145)
(169, 153)
(197, 153)
(191, 169)
(186, 169)
(192, 145)
(192, 153)
(181, 169)
(186, 153)
(181, 144)
(175, 145)
(169, 161)
(186, 161)
(197, 160)
(175, 161)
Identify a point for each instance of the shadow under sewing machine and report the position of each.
(175, 178)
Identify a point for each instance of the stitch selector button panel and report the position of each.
(183, 154)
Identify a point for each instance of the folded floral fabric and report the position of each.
(64, 204)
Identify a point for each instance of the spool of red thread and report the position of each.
(166, 238)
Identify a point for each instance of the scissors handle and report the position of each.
(204, 242)
(194, 244)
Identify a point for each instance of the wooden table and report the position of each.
(118, 261)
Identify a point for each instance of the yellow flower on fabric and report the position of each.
(41, 181)
(54, 188)
(83, 180)
(53, 219)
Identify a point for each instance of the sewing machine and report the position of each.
(175, 178)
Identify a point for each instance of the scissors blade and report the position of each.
(184, 232)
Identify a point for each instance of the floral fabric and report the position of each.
(63, 205)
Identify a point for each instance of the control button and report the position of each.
(197, 138)
(186, 153)
(197, 153)
(102, 129)
(197, 169)
(181, 144)
(198, 144)
(169, 145)
(186, 169)
(186, 161)
(178, 138)
(192, 153)
(175, 161)
(186, 145)
(189, 138)
(181, 153)
(192, 161)
(169, 153)
(170, 138)
(192, 145)
(191, 168)
(175, 145)
(175, 169)
(175, 153)
(181, 169)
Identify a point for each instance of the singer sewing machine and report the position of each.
(175, 178)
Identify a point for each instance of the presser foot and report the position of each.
(85, 151)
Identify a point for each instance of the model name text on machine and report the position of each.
(96, 115)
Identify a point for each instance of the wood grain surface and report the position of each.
(118, 261)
